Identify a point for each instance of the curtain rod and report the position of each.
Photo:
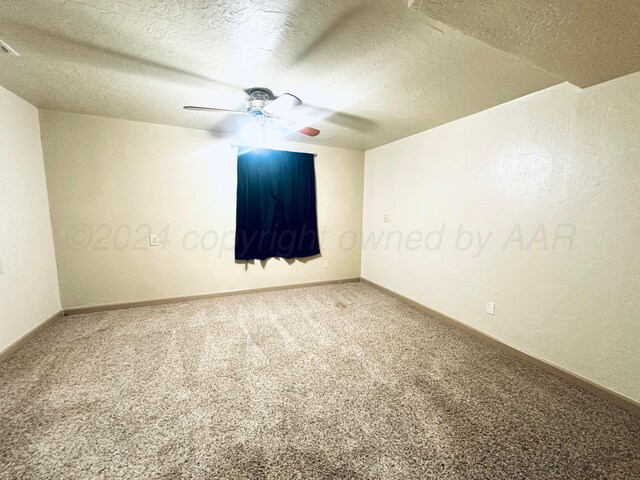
(236, 146)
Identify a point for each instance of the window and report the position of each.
(276, 205)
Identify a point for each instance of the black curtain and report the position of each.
(276, 205)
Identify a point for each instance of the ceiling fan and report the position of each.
(265, 109)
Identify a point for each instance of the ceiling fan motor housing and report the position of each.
(259, 99)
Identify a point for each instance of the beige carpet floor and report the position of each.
(327, 382)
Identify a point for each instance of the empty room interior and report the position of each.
(320, 239)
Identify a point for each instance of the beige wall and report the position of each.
(29, 284)
(108, 178)
(559, 156)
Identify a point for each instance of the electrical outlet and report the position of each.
(325, 264)
(491, 308)
(153, 240)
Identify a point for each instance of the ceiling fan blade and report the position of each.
(282, 104)
(310, 131)
(211, 109)
(345, 22)
(306, 114)
(310, 114)
(297, 127)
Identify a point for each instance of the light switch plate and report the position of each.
(153, 240)
(491, 308)
(1, 267)
(387, 218)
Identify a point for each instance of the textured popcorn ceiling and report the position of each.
(389, 71)
(581, 41)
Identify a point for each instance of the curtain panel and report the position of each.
(276, 205)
